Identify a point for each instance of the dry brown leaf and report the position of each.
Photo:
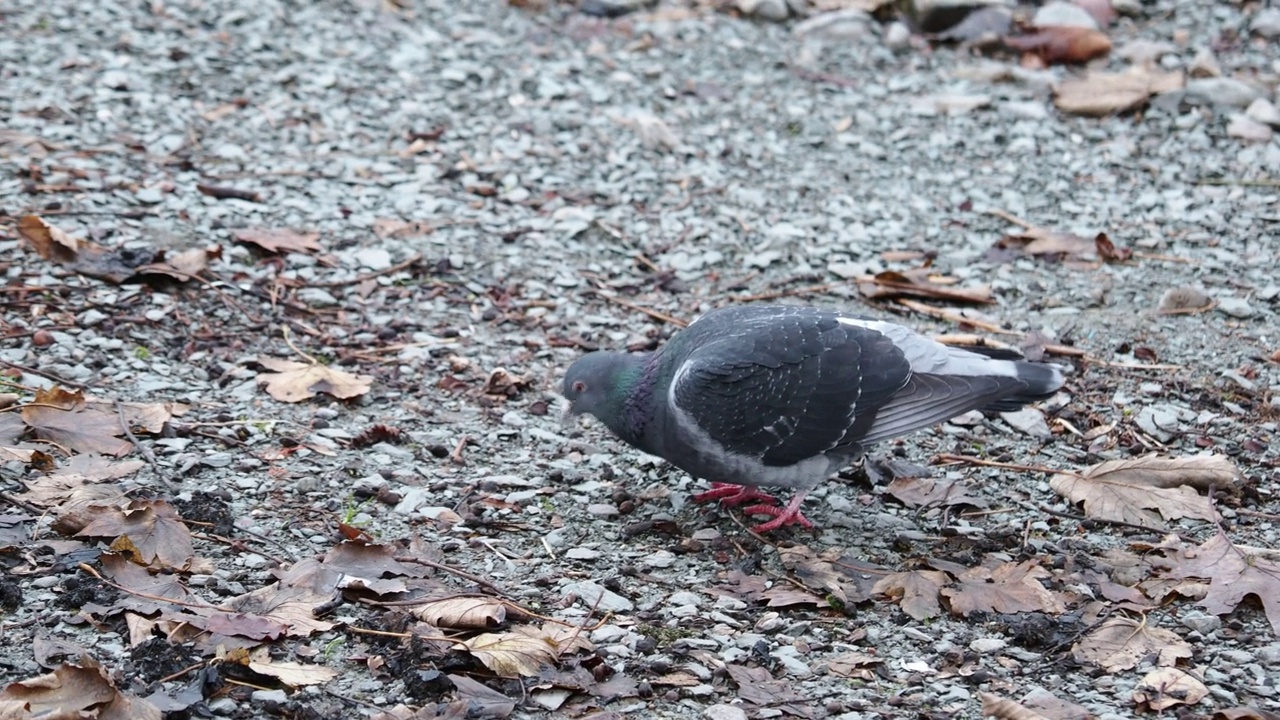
(1002, 709)
(523, 651)
(1245, 713)
(854, 665)
(1184, 301)
(463, 613)
(756, 685)
(679, 678)
(917, 591)
(1098, 94)
(1009, 588)
(1121, 643)
(932, 492)
(61, 417)
(894, 284)
(279, 240)
(1233, 574)
(154, 528)
(1165, 687)
(1048, 243)
(75, 690)
(293, 674)
(1130, 490)
(1053, 707)
(477, 700)
(181, 266)
(80, 256)
(845, 577)
(295, 381)
(1062, 45)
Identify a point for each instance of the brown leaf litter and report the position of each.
(1148, 490)
(292, 381)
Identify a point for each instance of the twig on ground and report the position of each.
(85, 567)
(146, 451)
(966, 460)
(952, 316)
(45, 374)
(655, 314)
(289, 341)
(454, 571)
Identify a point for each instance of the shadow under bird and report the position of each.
(781, 396)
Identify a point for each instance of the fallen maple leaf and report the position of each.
(182, 265)
(294, 381)
(1121, 643)
(917, 591)
(1009, 588)
(1165, 687)
(154, 528)
(1233, 574)
(1129, 490)
(477, 700)
(1062, 44)
(293, 674)
(854, 665)
(1098, 94)
(61, 417)
(277, 240)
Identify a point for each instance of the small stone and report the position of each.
(607, 634)
(224, 706)
(1028, 421)
(272, 696)
(794, 666)
(373, 258)
(149, 196)
(1246, 128)
(1222, 91)
(774, 10)
(1264, 111)
(316, 297)
(848, 24)
(1269, 654)
(1202, 623)
(1236, 307)
(685, 597)
(1064, 14)
(1266, 23)
(1236, 657)
(594, 595)
(659, 559)
(581, 553)
(897, 36)
(602, 509)
(724, 712)
(1204, 65)
(91, 317)
(987, 646)
(253, 561)
(1151, 388)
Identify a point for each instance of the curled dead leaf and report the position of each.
(1234, 573)
(523, 651)
(917, 591)
(467, 613)
(920, 284)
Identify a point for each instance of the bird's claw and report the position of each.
(789, 515)
(729, 495)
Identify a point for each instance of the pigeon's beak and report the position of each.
(568, 418)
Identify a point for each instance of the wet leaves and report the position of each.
(62, 418)
(156, 534)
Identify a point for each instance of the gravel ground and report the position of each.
(500, 189)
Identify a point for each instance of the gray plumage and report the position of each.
(781, 396)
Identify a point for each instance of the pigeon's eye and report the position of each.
(579, 386)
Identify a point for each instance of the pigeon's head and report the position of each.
(598, 384)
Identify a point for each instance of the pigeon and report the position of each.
(753, 396)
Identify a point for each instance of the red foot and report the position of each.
(790, 515)
(729, 495)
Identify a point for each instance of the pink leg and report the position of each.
(729, 495)
(790, 515)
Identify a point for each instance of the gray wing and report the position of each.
(793, 387)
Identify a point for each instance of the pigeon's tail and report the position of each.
(1041, 381)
